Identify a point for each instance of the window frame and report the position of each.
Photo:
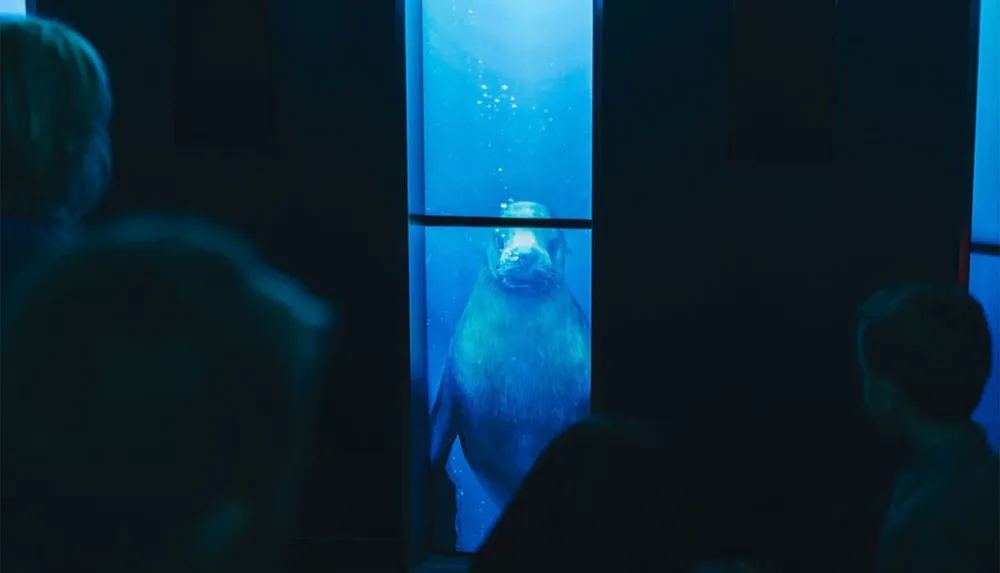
(419, 553)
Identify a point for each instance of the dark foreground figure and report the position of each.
(599, 499)
(156, 386)
(605, 497)
(925, 353)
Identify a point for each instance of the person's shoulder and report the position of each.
(949, 522)
(963, 502)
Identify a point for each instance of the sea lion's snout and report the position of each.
(523, 259)
(526, 258)
(521, 264)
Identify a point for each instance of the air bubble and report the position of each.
(513, 106)
(504, 87)
(500, 169)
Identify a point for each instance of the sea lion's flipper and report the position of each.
(443, 427)
(583, 315)
(443, 495)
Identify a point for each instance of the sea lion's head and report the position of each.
(527, 260)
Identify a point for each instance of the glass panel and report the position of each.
(12, 7)
(507, 105)
(508, 360)
(986, 189)
(984, 284)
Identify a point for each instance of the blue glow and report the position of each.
(984, 284)
(13, 7)
(986, 187)
(454, 260)
(984, 270)
(499, 105)
(507, 105)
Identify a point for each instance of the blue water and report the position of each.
(507, 105)
(984, 270)
(454, 257)
(984, 284)
(986, 192)
(12, 7)
(506, 114)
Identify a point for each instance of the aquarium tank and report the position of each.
(984, 264)
(500, 126)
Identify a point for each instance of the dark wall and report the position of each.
(726, 306)
(340, 115)
(289, 126)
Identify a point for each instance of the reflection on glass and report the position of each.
(986, 189)
(984, 284)
(507, 98)
(508, 344)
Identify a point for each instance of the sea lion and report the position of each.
(518, 369)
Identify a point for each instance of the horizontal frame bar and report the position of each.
(984, 249)
(453, 221)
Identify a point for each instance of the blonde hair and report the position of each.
(55, 110)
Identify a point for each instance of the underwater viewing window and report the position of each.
(984, 264)
(499, 143)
